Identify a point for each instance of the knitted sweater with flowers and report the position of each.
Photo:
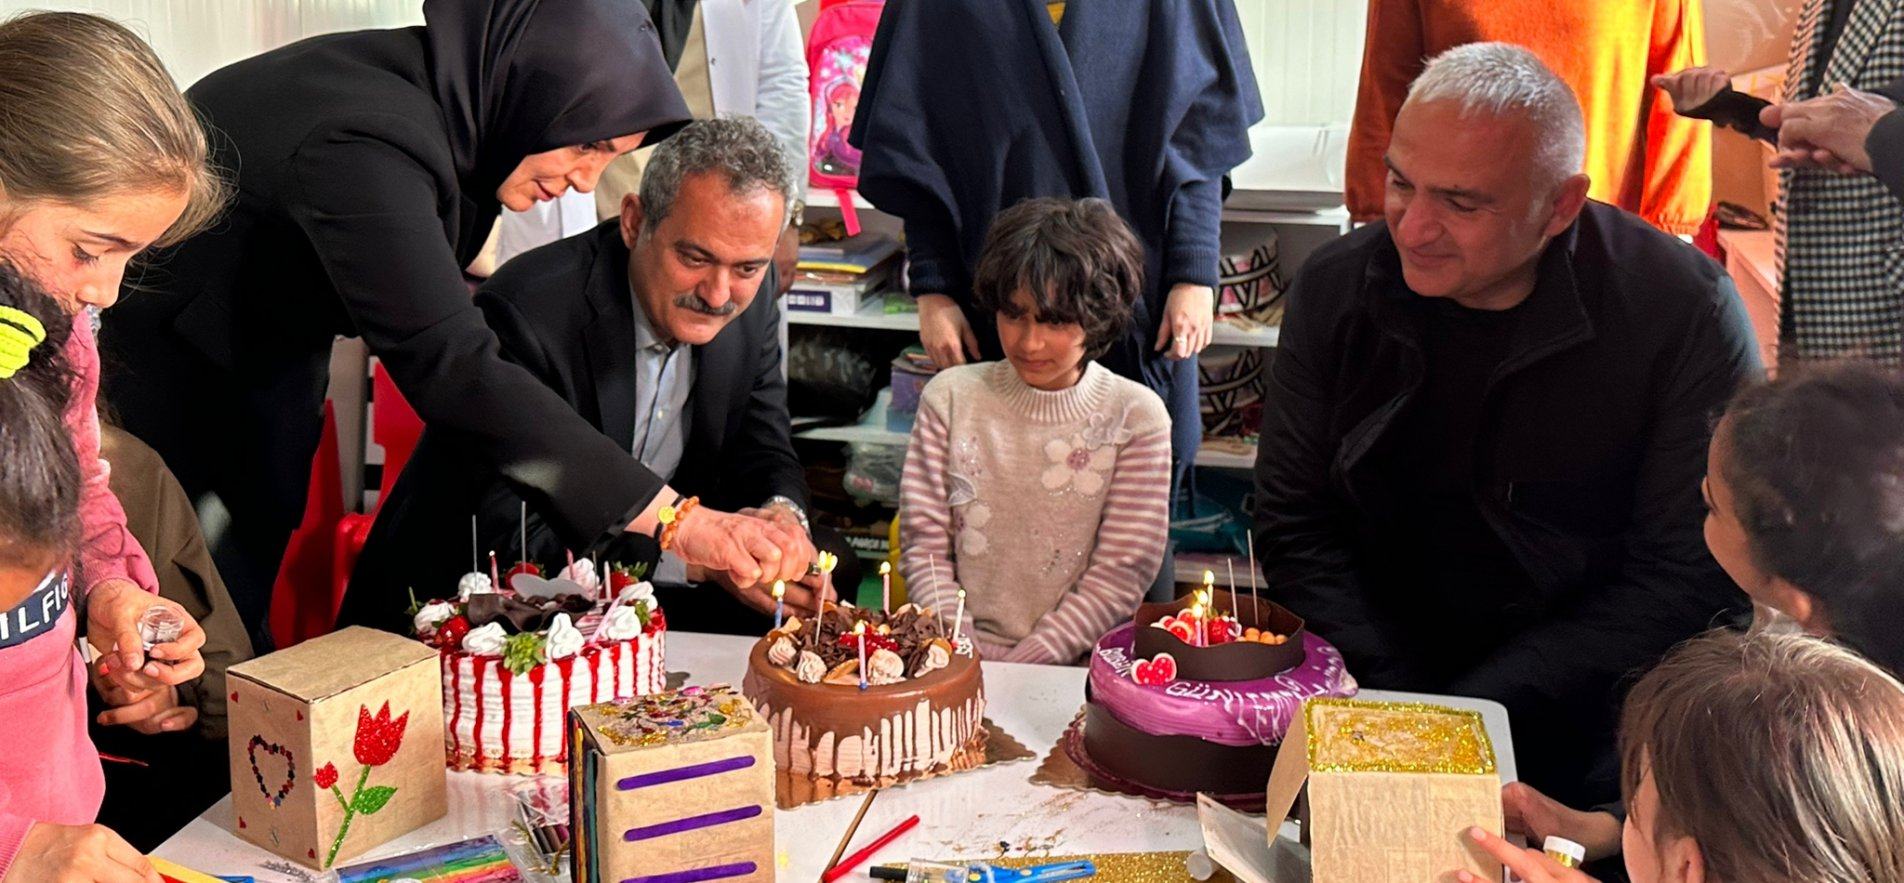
(1051, 509)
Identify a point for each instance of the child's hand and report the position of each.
(1188, 315)
(78, 854)
(113, 608)
(1536, 816)
(1531, 865)
(147, 711)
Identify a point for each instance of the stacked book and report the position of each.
(843, 275)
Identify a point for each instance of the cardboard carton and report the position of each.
(336, 745)
(1393, 789)
(673, 786)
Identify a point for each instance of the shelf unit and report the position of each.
(1299, 232)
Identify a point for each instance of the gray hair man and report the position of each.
(1482, 448)
(655, 329)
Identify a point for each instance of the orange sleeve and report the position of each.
(1676, 193)
(1392, 56)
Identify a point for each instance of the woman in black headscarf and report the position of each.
(370, 166)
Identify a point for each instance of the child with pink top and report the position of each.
(100, 159)
(1040, 485)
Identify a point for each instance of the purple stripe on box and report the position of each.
(695, 771)
(691, 822)
(698, 874)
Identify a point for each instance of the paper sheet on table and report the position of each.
(1240, 844)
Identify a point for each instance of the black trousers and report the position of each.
(239, 440)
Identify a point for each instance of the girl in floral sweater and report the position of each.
(1039, 485)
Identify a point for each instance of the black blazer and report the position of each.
(350, 219)
(564, 313)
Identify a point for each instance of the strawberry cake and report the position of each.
(516, 660)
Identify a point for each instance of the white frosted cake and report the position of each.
(514, 662)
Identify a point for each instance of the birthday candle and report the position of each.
(475, 554)
(1252, 572)
(885, 587)
(779, 595)
(1231, 564)
(932, 566)
(859, 631)
(495, 575)
(958, 619)
(524, 527)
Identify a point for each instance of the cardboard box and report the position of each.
(1393, 790)
(337, 745)
(673, 786)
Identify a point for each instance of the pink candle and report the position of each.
(885, 586)
(495, 575)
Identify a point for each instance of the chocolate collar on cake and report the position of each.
(1228, 661)
(518, 616)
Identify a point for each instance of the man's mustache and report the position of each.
(695, 303)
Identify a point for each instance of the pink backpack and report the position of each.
(837, 50)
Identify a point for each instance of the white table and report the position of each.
(987, 812)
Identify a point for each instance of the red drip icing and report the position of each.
(535, 750)
(614, 670)
(567, 668)
(595, 677)
(456, 700)
(477, 664)
(504, 678)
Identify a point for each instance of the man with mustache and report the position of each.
(1487, 421)
(654, 329)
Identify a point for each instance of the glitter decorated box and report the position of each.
(672, 788)
(336, 745)
(1393, 789)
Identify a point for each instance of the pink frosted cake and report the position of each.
(515, 662)
(1173, 717)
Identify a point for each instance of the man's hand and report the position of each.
(1188, 314)
(749, 550)
(52, 853)
(1535, 816)
(947, 337)
(1693, 87)
(1827, 132)
(113, 608)
(147, 711)
(798, 601)
(1531, 865)
(786, 258)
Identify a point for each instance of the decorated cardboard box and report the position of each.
(1393, 789)
(336, 745)
(672, 787)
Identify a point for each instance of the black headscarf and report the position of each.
(518, 77)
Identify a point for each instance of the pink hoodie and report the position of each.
(51, 770)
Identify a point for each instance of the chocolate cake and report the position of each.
(917, 712)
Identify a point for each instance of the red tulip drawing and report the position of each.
(378, 737)
(377, 741)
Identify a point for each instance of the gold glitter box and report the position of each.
(1392, 789)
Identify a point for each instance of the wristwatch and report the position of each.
(790, 505)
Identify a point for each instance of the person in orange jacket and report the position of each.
(1640, 155)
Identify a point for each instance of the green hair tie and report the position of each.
(20, 332)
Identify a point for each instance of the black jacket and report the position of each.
(565, 314)
(1596, 427)
(357, 205)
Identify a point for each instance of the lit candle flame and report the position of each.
(885, 568)
(779, 589)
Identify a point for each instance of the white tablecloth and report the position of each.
(986, 812)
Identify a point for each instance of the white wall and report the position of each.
(195, 37)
